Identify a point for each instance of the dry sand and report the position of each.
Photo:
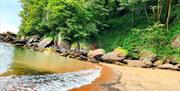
(143, 79)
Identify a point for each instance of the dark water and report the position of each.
(27, 70)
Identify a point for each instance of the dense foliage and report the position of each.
(73, 19)
(132, 24)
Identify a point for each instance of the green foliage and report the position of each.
(75, 20)
(130, 24)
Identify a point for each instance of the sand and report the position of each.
(122, 78)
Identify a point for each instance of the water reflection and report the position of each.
(29, 62)
(27, 70)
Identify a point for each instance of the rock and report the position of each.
(83, 46)
(92, 60)
(112, 57)
(93, 53)
(168, 66)
(139, 63)
(94, 56)
(176, 42)
(147, 55)
(9, 37)
(83, 57)
(34, 38)
(83, 52)
(2, 37)
(20, 42)
(121, 52)
(171, 60)
(158, 63)
(178, 66)
(119, 63)
(63, 46)
(45, 42)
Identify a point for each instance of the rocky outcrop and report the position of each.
(8, 37)
(158, 63)
(95, 55)
(117, 55)
(147, 55)
(63, 46)
(171, 60)
(168, 66)
(33, 41)
(176, 42)
(112, 57)
(45, 42)
(2, 37)
(139, 63)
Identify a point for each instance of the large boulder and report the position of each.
(2, 37)
(112, 57)
(178, 66)
(147, 55)
(139, 63)
(33, 38)
(158, 63)
(45, 42)
(168, 66)
(95, 55)
(63, 46)
(176, 42)
(121, 52)
(171, 60)
(9, 37)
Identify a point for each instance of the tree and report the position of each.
(168, 9)
(33, 14)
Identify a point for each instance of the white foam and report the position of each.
(51, 82)
(6, 55)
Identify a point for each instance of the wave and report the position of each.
(49, 82)
(6, 55)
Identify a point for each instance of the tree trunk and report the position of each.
(159, 10)
(133, 14)
(168, 9)
(78, 44)
(146, 13)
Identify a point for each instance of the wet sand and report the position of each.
(106, 76)
(122, 78)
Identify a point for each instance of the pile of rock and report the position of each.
(7, 37)
(147, 59)
(88, 52)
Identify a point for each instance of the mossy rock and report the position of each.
(148, 55)
(83, 46)
(121, 52)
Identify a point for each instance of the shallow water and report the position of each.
(25, 69)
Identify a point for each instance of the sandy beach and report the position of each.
(121, 78)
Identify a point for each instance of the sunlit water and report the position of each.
(27, 70)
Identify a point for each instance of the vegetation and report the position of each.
(131, 24)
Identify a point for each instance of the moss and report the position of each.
(122, 52)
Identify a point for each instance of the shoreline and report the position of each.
(107, 75)
(122, 78)
(134, 79)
